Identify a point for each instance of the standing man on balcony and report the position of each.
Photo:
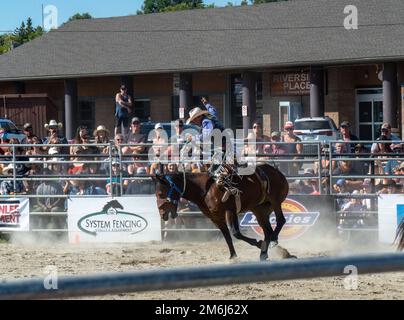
(123, 105)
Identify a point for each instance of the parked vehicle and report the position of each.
(10, 131)
(320, 129)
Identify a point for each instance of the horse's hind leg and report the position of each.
(262, 213)
(232, 221)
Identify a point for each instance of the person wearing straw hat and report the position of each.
(101, 136)
(53, 136)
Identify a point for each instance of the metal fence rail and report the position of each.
(112, 283)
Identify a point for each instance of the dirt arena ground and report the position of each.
(22, 260)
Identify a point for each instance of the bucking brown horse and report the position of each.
(262, 193)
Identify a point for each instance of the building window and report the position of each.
(141, 109)
(370, 113)
(86, 115)
(236, 98)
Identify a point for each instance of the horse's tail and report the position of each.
(400, 236)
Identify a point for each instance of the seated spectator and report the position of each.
(388, 186)
(277, 149)
(346, 135)
(340, 187)
(160, 141)
(30, 137)
(114, 186)
(140, 186)
(82, 187)
(49, 188)
(135, 147)
(292, 147)
(346, 168)
(101, 136)
(53, 134)
(7, 185)
(362, 167)
(386, 135)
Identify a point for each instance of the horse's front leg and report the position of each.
(218, 218)
(232, 221)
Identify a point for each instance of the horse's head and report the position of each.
(168, 195)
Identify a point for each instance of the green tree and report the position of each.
(265, 1)
(24, 33)
(79, 16)
(155, 6)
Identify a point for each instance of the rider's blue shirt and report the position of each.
(207, 128)
(212, 110)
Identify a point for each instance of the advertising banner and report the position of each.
(390, 213)
(14, 214)
(121, 219)
(307, 218)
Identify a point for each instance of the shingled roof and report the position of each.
(299, 32)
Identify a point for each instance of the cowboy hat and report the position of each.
(100, 128)
(6, 170)
(53, 124)
(195, 113)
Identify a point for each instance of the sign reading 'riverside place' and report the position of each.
(289, 84)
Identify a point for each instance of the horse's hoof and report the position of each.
(292, 257)
(263, 257)
(259, 244)
(233, 256)
(273, 244)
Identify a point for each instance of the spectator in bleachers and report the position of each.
(278, 150)
(260, 138)
(54, 136)
(292, 147)
(30, 137)
(82, 187)
(160, 141)
(21, 170)
(388, 186)
(123, 108)
(140, 186)
(385, 136)
(363, 166)
(340, 187)
(346, 168)
(136, 146)
(49, 188)
(101, 136)
(176, 141)
(381, 151)
(366, 189)
(114, 186)
(346, 135)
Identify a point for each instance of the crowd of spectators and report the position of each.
(95, 163)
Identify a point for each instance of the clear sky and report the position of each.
(13, 12)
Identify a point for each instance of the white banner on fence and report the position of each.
(390, 213)
(122, 219)
(14, 214)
